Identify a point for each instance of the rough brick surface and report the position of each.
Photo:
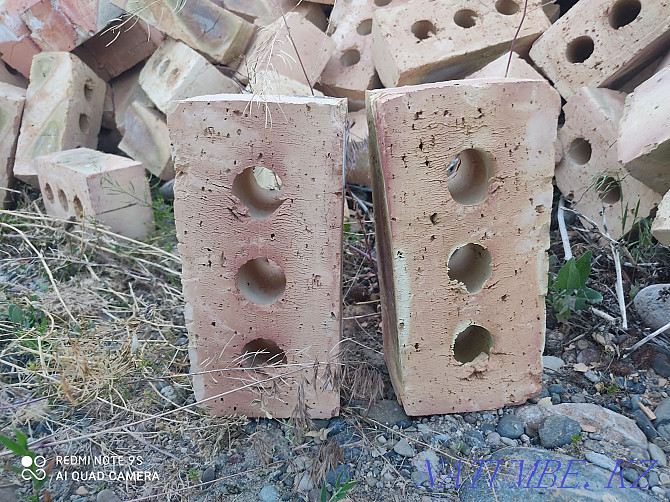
(11, 108)
(126, 90)
(16, 47)
(598, 42)
(463, 248)
(435, 40)
(63, 110)
(50, 28)
(271, 83)
(358, 158)
(644, 132)
(661, 226)
(518, 68)
(94, 185)
(175, 71)
(229, 210)
(201, 24)
(589, 173)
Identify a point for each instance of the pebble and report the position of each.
(556, 388)
(601, 461)
(509, 426)
(508, 441)
(81, 491)
(494, 438)
(661, 365)
(306, 483)
(592, 377)
(652, 304)
(208, 476)
(268, 494)
(552, 363)
(656, 453)
(653, 478)
(169, 393)
(662, 422)
(558, 430)
(644, 424)
(664, 478)
(404, 449)
(107, 495)
(167, 190)
(475, 439)
(389, 411)
(638, 452)
(588, 356)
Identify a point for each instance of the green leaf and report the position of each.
(592, 295)
(16, 314)
(22, 439)
(11, 445)
(324, 492)
(584, 267)
(568, 277)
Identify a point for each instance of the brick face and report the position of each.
(12, 100)
(233, 234)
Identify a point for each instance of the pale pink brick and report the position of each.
(50, 28)
(463, 251)
(87, 184)
(518, 69)
(271, 83)
(435, 40)
(599, 43)
(126, 90)
(261, 251)
(358, 158)
(590, 174)
(90, 16)
(11, 108)
(644, 132)
(16, 47)
(9, 75)
(63, 110)
(660, 228)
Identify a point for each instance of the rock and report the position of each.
(509, 426)
(589, 481)
(403, 448)
(654, 480)
(556, 388)
(601, 461)
(592, 377)
(493, 438)
(81, 491)
(655, 453)
(474, 439)
(107, 495)
(424, 459)
(644, 424)
(208, 475)
(653, 304)
(558, 430)
(508, 441)
(588, 356)
(388, 411)
(167, 190)
(662, 422)
(661, 364)
(552, 363)
(306, 483)
(638, 452)
(337, 425)
(268, 494)
(664, 478)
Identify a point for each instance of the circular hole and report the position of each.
(262, 352)
(382, 3)
(260, 189)
(48, 192)
(63, 199)
(579, 50)
(423, 29)
(78, 207)
(84, 123)
(365, 28)
(471, 266)
(624, 12)
(261, 281)
(88, 90)
(580, 151)
(472, 343)
(609, 190)
(350, 58)
(468, 176)
(507, 7)
(465, 18)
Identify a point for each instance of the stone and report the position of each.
(656, 453)
(263, 295)
(558, 430)
(81, 491)
(306, 483)
(643, 146)
(660, 228)
(201, 24)
(208, 475)
(493, 438)
(441, 202)
(269, 494)
(342, 471)
(588, 356)
(411, 46)
(510, 426)
(601, 461)
(388, 411)
(12, 100)
(552, 363)
(591, 377)
(404, 449)
(424, 459)
(652, 304)
(589, 173)
(600, 43)
(63, 110)
(644, 424)
(107, 495)
(86, 184)
(662, 421)
(175, 72)
(638, 453)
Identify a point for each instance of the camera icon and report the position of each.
(33, 468)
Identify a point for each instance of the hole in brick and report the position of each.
(579, 50)
(468, 176)
(84, 123)
(507, 7)
(471, 266)
(580, 151)
(48, 192)
(624, 12)
(465, 18)
(261, 281)
(63, 199)
(88, 90)
(423, 29)
(163, 67)
(262, 352)
(609, 190)
(260, 189)
(78, 207)
(473, 343)
(365, 27)
(382, 3)
(350, 58)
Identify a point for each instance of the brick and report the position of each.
(11, 108)
(16, 47)
(590, 174)
(518, 69)
(84, 183)
(107, 121)
(597, 43)
(261, 267)
(90, 16)
(175, 71)
(272, 49)
(660, 228)
(113, 51)
(644, 132)
(201, 24)
(147, 140)
(431, 41)
(463, 250)
(358, 158)
(63, 110)
(271, 83)
(50, 28)
(9, 75)
(126, 90)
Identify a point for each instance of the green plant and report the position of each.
(194, 474)
(575, 439)
(30, 469)
(339, 490)
(568, 290)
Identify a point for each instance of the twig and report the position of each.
(518, 30)
(647, 338)
(361, 252)
(561, 227)
(365, 234)
(614, 246)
